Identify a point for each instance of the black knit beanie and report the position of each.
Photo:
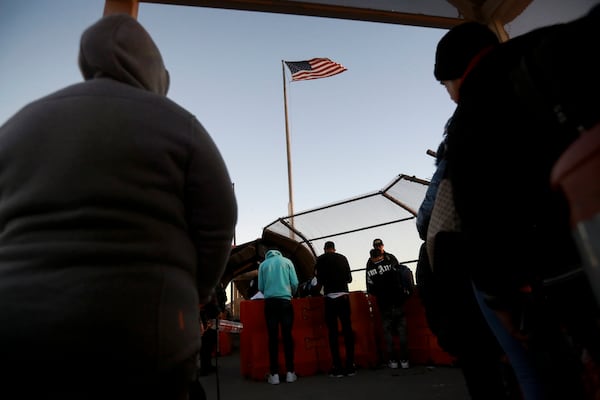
(457, 48)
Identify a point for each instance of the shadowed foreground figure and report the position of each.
(520, 108)
(116, 220)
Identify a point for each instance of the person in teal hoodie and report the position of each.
(278, 281)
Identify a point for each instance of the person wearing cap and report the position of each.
(117, 215)
(332, 271)
(384, 277)
(378, 244)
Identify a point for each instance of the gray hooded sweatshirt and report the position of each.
(117, 215)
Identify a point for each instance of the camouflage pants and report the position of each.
(394, 326)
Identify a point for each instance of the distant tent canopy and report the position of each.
(352, 224)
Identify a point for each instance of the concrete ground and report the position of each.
(415, 383)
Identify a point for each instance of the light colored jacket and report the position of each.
(277, 276)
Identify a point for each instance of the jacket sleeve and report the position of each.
(392, 259)
(318, 275)
(424, 213)
(368, 280)
(349, 277)
(293, 279)
(211, 209)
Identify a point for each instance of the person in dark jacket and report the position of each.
(446, 291)
(116, 220)
(384, 281)
(506, 134)
(210, 313)
(332, 271)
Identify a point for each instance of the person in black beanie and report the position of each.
(504, 139)
(456, 54)
(459, 48)
(451, 308)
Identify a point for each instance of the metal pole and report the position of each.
(287, 142)
(235, 228)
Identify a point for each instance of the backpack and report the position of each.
(404, 280)
(407, 280)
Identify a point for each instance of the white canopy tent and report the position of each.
(352, 224)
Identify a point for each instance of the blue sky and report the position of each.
(350, 134)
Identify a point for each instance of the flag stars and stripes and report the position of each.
(314, 68)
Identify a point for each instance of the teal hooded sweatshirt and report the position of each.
(277, 276)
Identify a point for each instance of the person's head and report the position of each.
(457, 49)
(375, 254)
(273, 252)
(119, 48)
(329, 247)
(378, 244)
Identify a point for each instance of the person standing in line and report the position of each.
(378, 244)
(278, 282)
(451, 307)
(518, 112)
(385, 282)
(113, 234)
(253, 292)
(209, 314)
(462, 56)
(332, 271)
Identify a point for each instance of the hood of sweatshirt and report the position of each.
(118, 47)
(272, 253)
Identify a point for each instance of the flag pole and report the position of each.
(287, 143)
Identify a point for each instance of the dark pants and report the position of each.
(339, 308)
(209, 345)
(279, 312)
(455, 318)
(488, 377)
(394, 325)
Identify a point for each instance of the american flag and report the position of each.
(314, 69)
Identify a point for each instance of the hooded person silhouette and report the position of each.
(117, 215)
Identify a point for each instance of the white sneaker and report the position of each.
(291, 377)
(273, 379)
(404, 364)
(393, 364)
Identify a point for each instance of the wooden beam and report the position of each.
(130, 7)
(469, 9)
(499, 30)
(504, 11)
(490, 12)
(322, 10)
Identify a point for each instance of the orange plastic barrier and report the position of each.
(254, 356)
(311, 345)
(307, 337)
(423, 346)
(365, 327)
(225, 344)
(308, 334)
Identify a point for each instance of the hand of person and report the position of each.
(516, 312)
(512, 325)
